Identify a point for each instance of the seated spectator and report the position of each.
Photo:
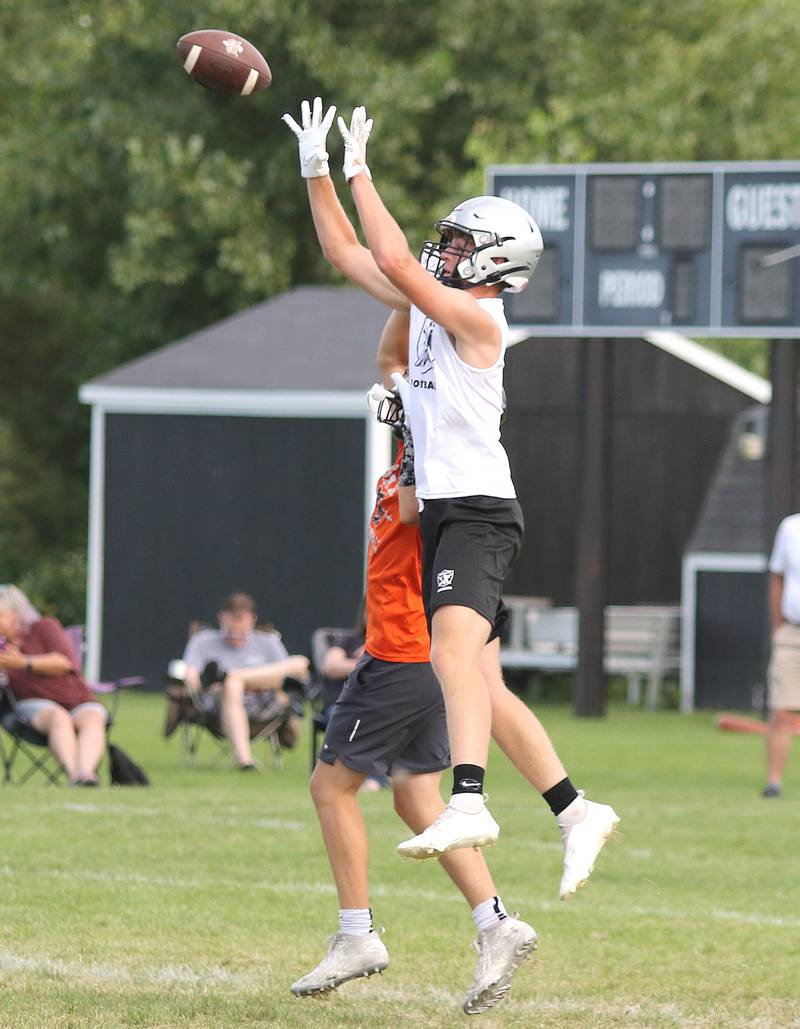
(338, 661)
(52, 698)
(246, 671)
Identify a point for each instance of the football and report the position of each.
(224, 62)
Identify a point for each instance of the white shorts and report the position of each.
(29, 708)
(784, 669)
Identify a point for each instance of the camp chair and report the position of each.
(323, 691)
(33, 745)
(25, 740)
(198, 717)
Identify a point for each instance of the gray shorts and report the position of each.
(389, 718)
(28, 709)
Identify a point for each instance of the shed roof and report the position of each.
(318, 338)
(311, 338)
(732, 518)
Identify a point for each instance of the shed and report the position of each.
(671, 407)
(239, 458)
(243, 457)
(724, 594)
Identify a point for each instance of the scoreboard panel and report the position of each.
(711, 249)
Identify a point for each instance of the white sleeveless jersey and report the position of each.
(454, 413)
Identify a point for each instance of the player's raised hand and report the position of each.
(311, 136)
(355, 143)
(402, 387)
(385, 405)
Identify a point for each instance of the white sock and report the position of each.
(468, 803)
(489, 914)
(572, 813)
(355, 921)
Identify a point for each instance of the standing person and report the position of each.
(471, 522)
(37, 657)
(390, 720)
(784, 668)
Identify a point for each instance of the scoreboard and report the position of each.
(712, 249)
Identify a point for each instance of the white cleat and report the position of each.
(452, 830)
(582, 843)
(348, 957)
(502, 950)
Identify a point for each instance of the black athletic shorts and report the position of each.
(389, 718)
(468, 547)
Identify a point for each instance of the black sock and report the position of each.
(560, 796)
(468, 779)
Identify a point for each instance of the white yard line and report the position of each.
(243, 818)
(94, 971)
(380, 991)
(446, 895)
(231, 817)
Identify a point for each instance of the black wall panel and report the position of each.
(669, 426)
(731, 649)
(199, 506)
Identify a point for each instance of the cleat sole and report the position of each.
(323, 991)
(424, 853)
(494, 993)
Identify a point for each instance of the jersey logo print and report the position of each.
(424, 361)
(444, 580)
(387, 488)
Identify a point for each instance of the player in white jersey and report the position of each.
(471, 522)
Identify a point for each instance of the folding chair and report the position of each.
(198, 716)
(198, 720)
(33, 745)
(25, 740)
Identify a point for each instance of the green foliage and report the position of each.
(138, 207)
(752, 354)
(56, 585)
(41, 514)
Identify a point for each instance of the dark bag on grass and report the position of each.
(124, 771)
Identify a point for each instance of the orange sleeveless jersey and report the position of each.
(396, 626)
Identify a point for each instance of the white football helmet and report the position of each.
(508, 245)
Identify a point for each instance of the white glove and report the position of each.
(403, 388)
(377, 393)
(311, 138)
(355, 143)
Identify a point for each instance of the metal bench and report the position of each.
(642, 642)
(550, 643)
(518, 609)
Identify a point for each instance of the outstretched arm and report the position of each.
(336, 235)
(456, 310)
(342, 248)
(393, 347)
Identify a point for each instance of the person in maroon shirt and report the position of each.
(36, 656)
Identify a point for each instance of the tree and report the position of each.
(137, 207)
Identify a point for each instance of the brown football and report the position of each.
(224, 62)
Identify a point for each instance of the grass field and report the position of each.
(199, 901)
